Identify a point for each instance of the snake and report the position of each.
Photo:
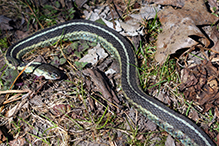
(176, 124)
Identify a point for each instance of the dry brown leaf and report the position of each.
(60, 109)
(177, 3)
(12, 111)
(2, 137)
(101, 85)
(18, 142)
(180, 28)
(169, 141)
(149, 125)
(216, 112)
(200, 84)
(80, 3)
(175, 35)
(21, 34)
(193, 114)
(217, 140)
(4, 23)
(197, 11)
(213, 34)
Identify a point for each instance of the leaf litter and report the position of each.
(188, 30)
(180, 29)
(199, 83)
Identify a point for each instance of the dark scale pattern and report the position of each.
(130, 83)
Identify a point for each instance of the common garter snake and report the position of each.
(174, 123)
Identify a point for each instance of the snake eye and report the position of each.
(57, 76)
(53, 75)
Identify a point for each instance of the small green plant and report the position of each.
(58, 61)
(153, 26)
(214, 12)
(8, 77)
(47, 15)
(3, 43)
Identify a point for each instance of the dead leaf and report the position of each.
(94, 55)
(177, 3)
(12, 111)
(80, 3)
(146, 12)
(200, 84)
(2, 137)
(60, 109)
(149, 125)
(213, 84)
(217, 139)
(4, 23)
(101, 85)
(213, 34)
(193, 114)
(175, 34)
(18, 142)
(169, 141)
(21, 34)
(180, 28)
(197, 11)
(216, 112)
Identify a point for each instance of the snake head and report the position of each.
(48, 71)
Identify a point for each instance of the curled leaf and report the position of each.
(180, 28)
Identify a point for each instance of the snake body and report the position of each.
(174, 123)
